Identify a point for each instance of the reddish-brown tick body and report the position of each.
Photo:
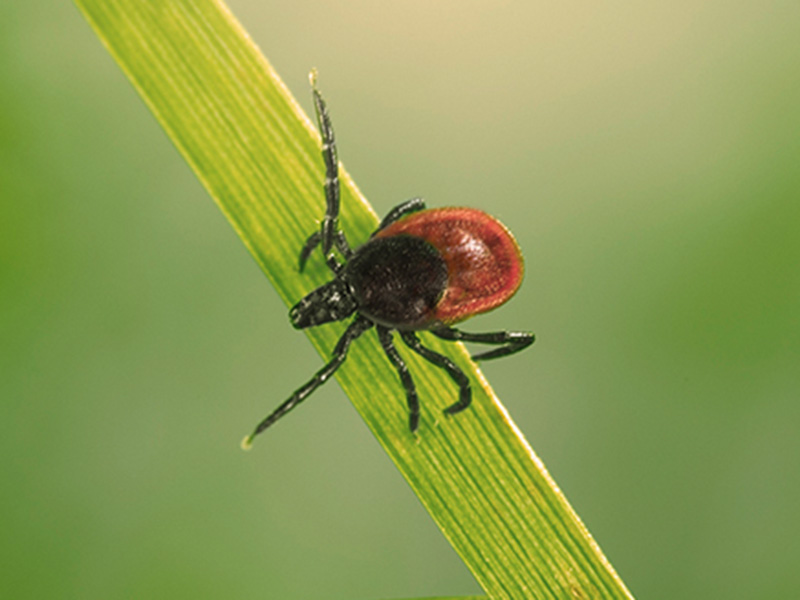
(483, 261)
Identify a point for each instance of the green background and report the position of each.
(646, 157)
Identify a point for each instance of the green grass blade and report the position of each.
(258, 156)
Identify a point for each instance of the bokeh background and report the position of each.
(647, 157)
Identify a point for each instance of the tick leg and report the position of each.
(456, 374)
(356, 328)
(329, 155)
(510, 341)
(313, 241)
(401, 210)
(385, 336)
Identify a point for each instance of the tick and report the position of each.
(421, 270)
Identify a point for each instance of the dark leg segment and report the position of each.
(356, 328)
(385, 336)
(401, 210)
(330, 156)
(339, 239)
(313, 241)
(512, 341)
(456, 374)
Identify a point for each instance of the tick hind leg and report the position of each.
(328, 235)
(509, 341)
(356, 328)
(455, 373)
(385, 336)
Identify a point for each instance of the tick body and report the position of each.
(482, 260)
(420, 270)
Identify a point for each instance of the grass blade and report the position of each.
(258, 156)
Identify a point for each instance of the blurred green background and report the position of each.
(646, 155)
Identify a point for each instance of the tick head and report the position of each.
(330, 302)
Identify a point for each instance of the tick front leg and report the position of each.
(510, 341)
(313, 241)
(385, 336)
(455, 373)
(330, 156)
(356, 328)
